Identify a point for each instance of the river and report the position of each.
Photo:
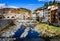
(31, 36)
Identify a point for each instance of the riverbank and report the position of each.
(47, 30)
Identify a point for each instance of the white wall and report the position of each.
(34, 16)
(41, 13)
(20, 16)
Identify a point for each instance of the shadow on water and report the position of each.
(32, 35)
(19, 31)
(30, 39)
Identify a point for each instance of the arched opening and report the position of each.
(12, 17)
(8, 17)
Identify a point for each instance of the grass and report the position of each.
(49, 30)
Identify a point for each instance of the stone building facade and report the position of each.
(13, 13)
(53, 13)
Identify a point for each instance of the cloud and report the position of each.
(12, 7)
(2, 6)
(57, 0)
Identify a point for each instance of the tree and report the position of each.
(50, 3)
(54, 2)
(46, 4)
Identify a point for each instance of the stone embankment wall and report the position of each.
(4, 23)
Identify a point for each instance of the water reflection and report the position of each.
(31, 39)
(32, 35)
(19, 31)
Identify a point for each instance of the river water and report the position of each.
(31, 36)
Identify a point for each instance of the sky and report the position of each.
(29, 4)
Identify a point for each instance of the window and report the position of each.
(12, 17)
(59, 14)
(16, 21)
(3, 17)
(8, 17)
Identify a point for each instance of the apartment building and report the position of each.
(45, 15)
(42, 14)
(53, 13)
(59, 11)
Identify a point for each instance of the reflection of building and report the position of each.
(53, 13)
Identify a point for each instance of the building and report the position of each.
(14, 13)
(34, 16)
(45, 15)
(59, 13)
(59, 10)
(42, 13)
(53, 13)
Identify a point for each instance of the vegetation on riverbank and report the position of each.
(48, 30)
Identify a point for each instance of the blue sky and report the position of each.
(29, 4)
